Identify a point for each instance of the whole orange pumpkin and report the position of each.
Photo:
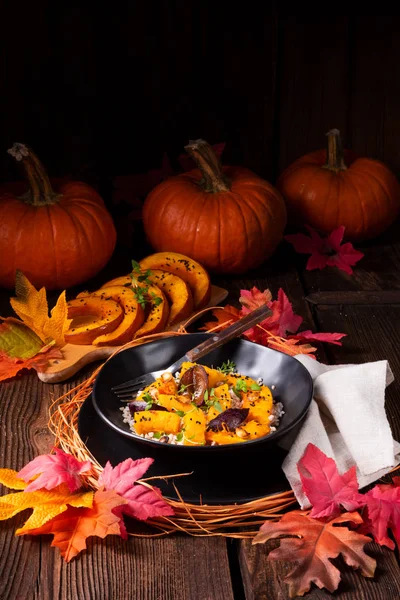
(328, 189)
(57, 238)
(228, 219)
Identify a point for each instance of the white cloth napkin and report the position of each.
(347, 421)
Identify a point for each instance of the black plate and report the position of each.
(223, 479)
(291, 382)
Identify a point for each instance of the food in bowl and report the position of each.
(203, 406)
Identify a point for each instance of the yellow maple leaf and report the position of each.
(45, 504)
(72, 528)
(10, 479)
(31, 306)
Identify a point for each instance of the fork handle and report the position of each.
(234, 330)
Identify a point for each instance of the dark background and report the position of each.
(102, 92)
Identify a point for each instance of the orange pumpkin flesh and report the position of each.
(328, 189)
(102, 316)
(176, 290)
(59, 238)
(187, 269)
(157, 317)
(133, 316)
(228, 219)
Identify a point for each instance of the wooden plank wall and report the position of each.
(100, 92)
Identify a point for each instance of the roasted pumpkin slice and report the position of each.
(178, 293)
(172, 403)
(176, 290)
(259, 410)
(133, 316)
(194, 427)
(222, 437)
(158, 315)
(187, 269)
(156, 420)
(92, 316)
(124, 280)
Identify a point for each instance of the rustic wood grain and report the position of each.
(375, 93)
(143, 569)
(314, 88)
(355, 297)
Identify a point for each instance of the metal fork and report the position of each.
(126, 391)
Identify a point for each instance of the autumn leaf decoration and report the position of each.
(341, 521)
(35, 339)
(52, 486)
(280, 331)
(326, 251)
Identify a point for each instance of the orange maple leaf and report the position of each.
(9, 366)
(72, 528)
(314, 544)
(225, 316)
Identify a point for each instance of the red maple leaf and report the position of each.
(325, 488)
(311, 545)
(328, 251)
(330, 338)
(281, 321)
(383, 513)
(142, 502)
(273, 331)
(53, 470)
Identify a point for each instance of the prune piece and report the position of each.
(231, 418)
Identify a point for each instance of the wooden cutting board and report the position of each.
(75, 357)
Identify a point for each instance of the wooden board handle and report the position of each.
(234, 330)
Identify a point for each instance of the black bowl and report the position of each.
(291, 382)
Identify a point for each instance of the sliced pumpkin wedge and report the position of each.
(157, 317)
(133, 316)
(124, 280)
(187, 269)
(178, 293)
(92, 316)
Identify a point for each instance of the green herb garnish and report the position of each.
(255, 387)
(140, 295)
(182, 388)
(157, 435)
(179, 436)
(205, 396)
(217, 406)
(147, 398)
(227, 367)
(180, 413)
(155, 299)
(241, 386)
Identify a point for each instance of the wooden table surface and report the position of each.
(366, 306)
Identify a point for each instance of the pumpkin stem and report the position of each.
(214, 180)
(40, 190)
(335, 157)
